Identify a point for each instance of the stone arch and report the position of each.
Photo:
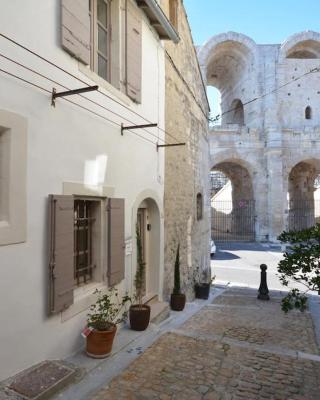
(303, 210)
(301, 45)
(228, 63)
(234, 219)
(236, 114)
(148, 211)
(205, 52)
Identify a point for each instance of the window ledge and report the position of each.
(83, 298)
(102, 83)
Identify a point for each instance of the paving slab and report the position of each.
(179, 367)
(235, 348)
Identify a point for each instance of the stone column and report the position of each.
(277, 197)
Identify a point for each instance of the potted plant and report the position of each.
(139, 313)
(104, 315)
(178, 299)
(202, 283)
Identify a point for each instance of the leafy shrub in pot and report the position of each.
(108, 311)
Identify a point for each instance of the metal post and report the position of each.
(263, 288)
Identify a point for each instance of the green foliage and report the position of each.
(177, 288)
(141, 265)
(109, 309)
(201, 276)
(294, 300)
(301, 263)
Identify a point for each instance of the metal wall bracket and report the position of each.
(170, 145)
(125, 128)
(70, 93)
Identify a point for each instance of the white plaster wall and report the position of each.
(64, 144)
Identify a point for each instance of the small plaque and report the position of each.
(128, 247)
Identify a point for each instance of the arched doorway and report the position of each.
(232, 203)
(304, 195)
(148, 223)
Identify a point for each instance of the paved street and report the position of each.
(233, 348)
(239, 264)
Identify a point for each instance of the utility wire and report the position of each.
(82, 81)
(218, 117)
(72, 102)
(83, 97)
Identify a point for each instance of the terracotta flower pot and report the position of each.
(177, 301)
(139, 317)
(99, 343)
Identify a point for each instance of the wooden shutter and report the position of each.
(116, 241)
(75, 25)
(133, 52)
(61, 231)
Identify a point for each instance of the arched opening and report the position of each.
(227, 60)
(199, 206)
(232, 203)
(308, 113)
(304, 195)
(236, 114)
(306, 49)
(148, 223)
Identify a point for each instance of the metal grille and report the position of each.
(83, 241)
(233, 221)
(303, 214)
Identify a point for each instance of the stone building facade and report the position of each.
(186, 197)
(268, 140)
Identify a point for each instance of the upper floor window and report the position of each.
(308, 113)
(86, 34)
(100, 37)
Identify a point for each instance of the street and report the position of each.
(239, 264)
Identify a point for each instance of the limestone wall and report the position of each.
(186, 167)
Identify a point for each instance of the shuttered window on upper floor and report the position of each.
(91, 33)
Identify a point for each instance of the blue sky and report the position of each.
(268, 21)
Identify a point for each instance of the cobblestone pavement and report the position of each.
(237, 348)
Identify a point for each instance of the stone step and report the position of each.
(152, 300)
(160, 311)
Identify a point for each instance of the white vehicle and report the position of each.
(212, 248)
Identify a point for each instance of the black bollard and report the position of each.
(263, 288)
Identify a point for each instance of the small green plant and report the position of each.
(301, 264)
(201, 276)
(109, 309)
(294, 300)
(141, 265)
(177, 287)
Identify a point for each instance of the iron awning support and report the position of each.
(170, 145)
(70, 93)
(125, 128)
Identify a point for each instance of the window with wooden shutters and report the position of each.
(100, 25)
(61, 245)
(116, 241)
(75, 26)
(133, 52)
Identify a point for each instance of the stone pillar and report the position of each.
(277, 197)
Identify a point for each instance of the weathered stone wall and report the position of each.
(276, 135)
(186, 167)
